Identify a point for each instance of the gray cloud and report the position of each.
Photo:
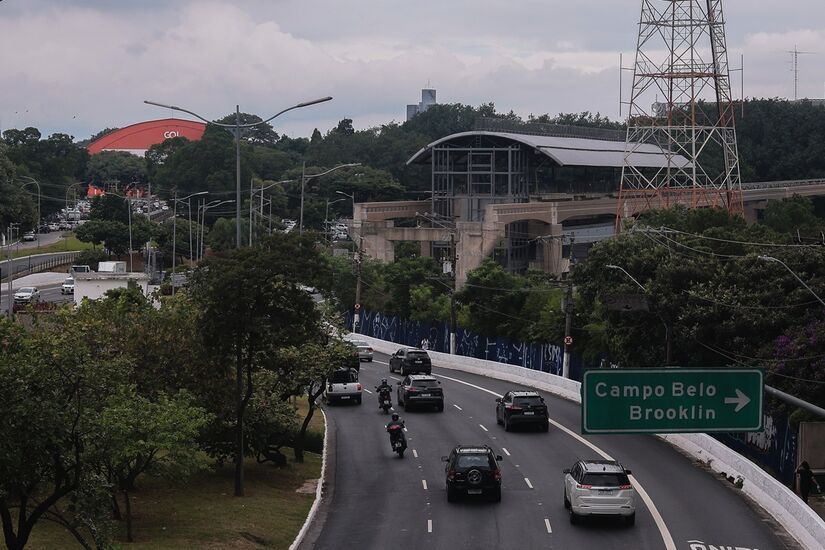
(97, 60)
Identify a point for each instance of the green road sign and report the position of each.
(673, 400)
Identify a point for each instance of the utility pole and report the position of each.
(568, 318)
(11, 272)
(358, 261)
(453, 260)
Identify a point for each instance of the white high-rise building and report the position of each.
(427, 100)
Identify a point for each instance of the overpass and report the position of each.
(546, 216)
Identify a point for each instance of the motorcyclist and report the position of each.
(383, 387)
(394, 431)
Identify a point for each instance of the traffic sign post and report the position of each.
(675, 400)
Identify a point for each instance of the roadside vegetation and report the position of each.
(68, 244)
(115, 406)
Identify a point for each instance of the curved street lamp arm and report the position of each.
(181, 109)
(300, 105)
(632, 278)
(333, 170)
(791, 271)
(250, 125)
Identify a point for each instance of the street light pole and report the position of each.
(358, 261)
(791, 271)
(237, 127)
(668, 345)
(326, 218)
(36, 225)
(175, 230)
(304, 178)
(207, 207)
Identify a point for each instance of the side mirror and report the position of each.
(498, 457)
(498, 399)
(398, 383)
(566, 471)
(628, 472)
(445, 458)
(439, 381)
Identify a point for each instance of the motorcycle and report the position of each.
(385, 400)
(397, 440)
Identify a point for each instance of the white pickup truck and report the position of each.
(343, 386)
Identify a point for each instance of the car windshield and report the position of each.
(605, 479)
(26, 290)
(68, 281)
(469, 461)
(531, 400)
(425, 383)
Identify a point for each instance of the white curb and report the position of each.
(318, 490)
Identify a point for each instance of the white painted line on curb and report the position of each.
(506, 451)
(667, 538)
(429, 526)
(527, 481)
(483, 428)
(457, 407)
(415, 453)
(424, 483)
(547, 524)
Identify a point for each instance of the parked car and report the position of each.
(68, 286)
(473, 470)
(364, 350)
(420, 389)
(27, 295)
(599, 487)
(522, 407)
(343, 385)
(54, 227)
(410, 360)
(29, 237)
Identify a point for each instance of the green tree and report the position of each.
(116, 167)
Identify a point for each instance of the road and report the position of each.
(45, 239)
(379, 501)
(47, 294)
(25, 263)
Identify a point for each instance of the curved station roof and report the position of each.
(137, 138)
(572, 151)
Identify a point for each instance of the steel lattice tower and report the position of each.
(681, 102)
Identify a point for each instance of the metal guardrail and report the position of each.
(26, 265)
(542, 129)
(781, 184)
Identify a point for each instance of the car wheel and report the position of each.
(545, 427)
(358, 401)
(498, 420)
(631, 519)
(574, 517)
(497, 495)
(369, 359)
(441, 407)
(566, 501)
(506, 424)
(451, 494)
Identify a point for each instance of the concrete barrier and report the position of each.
(796, 517)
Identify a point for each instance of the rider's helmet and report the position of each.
(395, 416)
(383, 381)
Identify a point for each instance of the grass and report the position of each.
(69, 244)
(203, 513)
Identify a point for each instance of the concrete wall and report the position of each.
(96, 288)
(796, 517)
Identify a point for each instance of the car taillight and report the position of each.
(369, 350)
(512, 408)
(497, 475)
(628, 486)
(413, 389)
(580, 486)
(359, 387)
(451, 474)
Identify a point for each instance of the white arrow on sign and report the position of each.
(741, 400)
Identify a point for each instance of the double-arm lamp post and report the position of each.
(175, 201)
(668, 351)
(206, 207)
(261, 190)
(304, 179)
(236, 130)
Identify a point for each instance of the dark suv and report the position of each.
(420, 389)
(473, 470)
(411, 360)
(522, 407)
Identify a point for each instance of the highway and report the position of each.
(49, 293)
(376, 500)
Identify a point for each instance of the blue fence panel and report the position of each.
(543, 357)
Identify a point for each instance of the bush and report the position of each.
(314, 442)
(91, 258)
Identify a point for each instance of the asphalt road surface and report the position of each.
(47, 294)
(379, 501)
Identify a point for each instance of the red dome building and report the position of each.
(137, 138)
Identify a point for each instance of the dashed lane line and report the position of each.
(424, 483)
(483, 428)
(457, 407)
(394, 378)
(667, 538)
(368, 391)
(547, 524)
(415, 453)
(527, 481)
(506, 451)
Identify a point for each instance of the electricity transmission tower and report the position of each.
(795, 53)
(682, 57)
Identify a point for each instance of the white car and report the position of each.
(29, 237)
(68, 286)
(54, 227)
(27, 295)
(343, 386)
(599, 488)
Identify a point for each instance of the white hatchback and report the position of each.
(599, 487)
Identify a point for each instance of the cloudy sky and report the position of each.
(78, 66)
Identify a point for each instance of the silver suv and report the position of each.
(599, 487)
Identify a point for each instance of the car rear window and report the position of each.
(341, 377)
(425, 383)
(532, 400)
(468, 461)
(605, 479)
(417, 355)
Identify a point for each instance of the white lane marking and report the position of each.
(457, 407)
(405, 429)
(506, 451)
(547, 524)
(366, 390)
(527, 481)
(667, 538)
(394, 378)
(424, 483)
(415, 453)
(429, 526)
(483, 428)
(380, 362)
